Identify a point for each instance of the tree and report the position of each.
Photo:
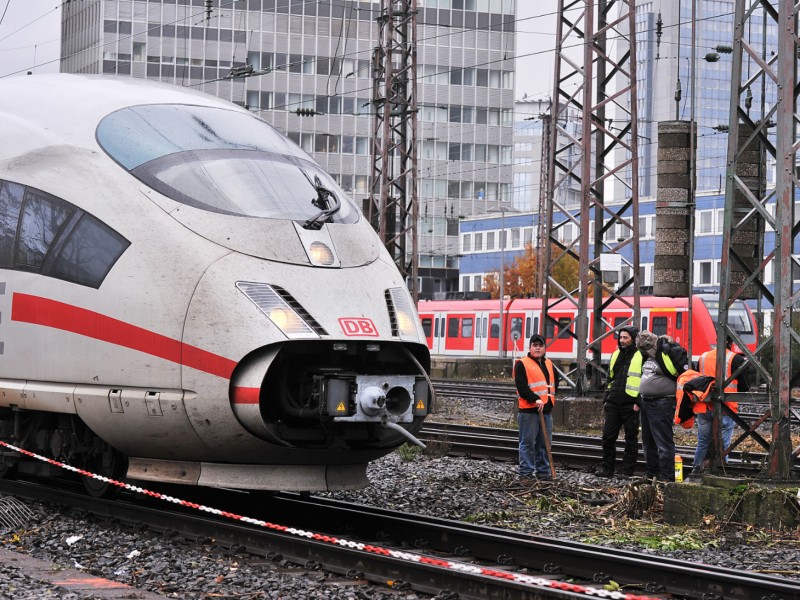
(519, 278)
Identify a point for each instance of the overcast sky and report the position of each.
(30, 32)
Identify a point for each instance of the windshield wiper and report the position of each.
(326, 201)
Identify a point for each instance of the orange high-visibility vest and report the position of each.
(537, 382)
(708, 366)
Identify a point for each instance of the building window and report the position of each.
(466, 242)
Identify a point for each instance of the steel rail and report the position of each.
(477, 545)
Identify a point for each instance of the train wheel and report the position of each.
(108, 463)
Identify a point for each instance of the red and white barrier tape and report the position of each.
(417, 558)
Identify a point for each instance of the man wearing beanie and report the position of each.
(621, 404)
(536, 385)
(664, 361)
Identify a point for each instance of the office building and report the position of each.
(317, 56)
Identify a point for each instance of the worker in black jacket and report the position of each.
(621, 404)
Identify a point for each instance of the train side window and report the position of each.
(485, 327)
(466, 327)
(516, 325)
(11, 195)
(527, 327)
(660, 325)
(644, 324)
(88, 253)
(426, 326)
(452, 327)
(618, 321)
(535, 326)
(42, 218)
(478, 328)
(548, 329)
(679, 321)
(436, 327)
(494, 330)
(563, 327)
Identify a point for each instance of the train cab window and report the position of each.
(427, 326)
(660, 325)
(44, 234)
(223, 161)
(494, 329)
(466, 328)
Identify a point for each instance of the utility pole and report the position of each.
(393, 204)
(742, 269)
(601, 87)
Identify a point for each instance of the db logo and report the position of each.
(355, 326)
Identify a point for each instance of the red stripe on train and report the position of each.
(58, 315)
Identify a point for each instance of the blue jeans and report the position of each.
(532, 451)
(657, 441)
(704, 435)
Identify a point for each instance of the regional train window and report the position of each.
(678, 320)
(549, 328)
(660, 325)
(436, 327)
(527, 327)
(426, 326)
(44, 234)
(563, 327)
(223, 161)
(485, 327)
(452, 327)
(494, 328)
(466, 328)
(516, 326)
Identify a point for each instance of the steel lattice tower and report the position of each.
(746, 210)
(394, 209)
(601, 87)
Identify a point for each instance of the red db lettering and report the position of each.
(352, 326)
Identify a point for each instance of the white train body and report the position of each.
(174, 278)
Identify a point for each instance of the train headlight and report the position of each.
(274, 302)
(404, 316)
(320, 254)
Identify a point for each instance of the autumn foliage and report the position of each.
(520, 277)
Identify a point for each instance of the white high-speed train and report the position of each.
(186, 296)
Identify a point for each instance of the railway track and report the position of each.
(569, 451)
(419, 551)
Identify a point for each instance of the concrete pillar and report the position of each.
(673, 195)
(748, 240)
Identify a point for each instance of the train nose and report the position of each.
(302, 394)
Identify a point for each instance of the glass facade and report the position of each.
(311, 58)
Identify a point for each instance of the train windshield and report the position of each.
(738, 316)
(220, 160)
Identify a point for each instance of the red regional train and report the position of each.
(472, 327)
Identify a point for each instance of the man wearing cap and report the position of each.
(537, 385)
(621, 404)
(664, 361)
